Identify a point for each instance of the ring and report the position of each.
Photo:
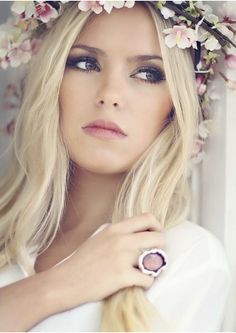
(153, 261)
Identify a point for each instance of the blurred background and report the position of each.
(213, 180)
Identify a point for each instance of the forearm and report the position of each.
(25, 303)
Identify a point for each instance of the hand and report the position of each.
(108, 261)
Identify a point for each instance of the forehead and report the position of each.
(123, 29)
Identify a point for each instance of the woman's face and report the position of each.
(114, 83)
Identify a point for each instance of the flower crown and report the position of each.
(194, 26)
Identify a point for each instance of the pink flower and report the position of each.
(45, 12)
(197, 147)
(28, 9)
(21, 54)
(201, 87)
(181, 36)
(230, 60)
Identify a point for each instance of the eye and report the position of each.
(151, 74)
(84, 64)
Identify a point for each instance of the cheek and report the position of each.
(74, 101)
(151, 117)
(74, 92)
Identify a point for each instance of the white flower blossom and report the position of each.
(129, 4)
(166, 12)
(212, 44)
(204, 128)
(26, 7)
(181, 36)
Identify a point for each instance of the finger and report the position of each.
(143, 222)
(148, 239)
(141, 279)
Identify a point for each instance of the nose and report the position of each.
(101, 102)
(109, 94)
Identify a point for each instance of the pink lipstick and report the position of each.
(104, 129)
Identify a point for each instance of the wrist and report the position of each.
(60, 294)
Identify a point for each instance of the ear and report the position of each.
(171, 115)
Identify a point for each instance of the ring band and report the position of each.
(152, 261)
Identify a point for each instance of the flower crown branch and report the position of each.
(229, 83)
(205, 24)
(232, 29)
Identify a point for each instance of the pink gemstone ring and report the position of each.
(152, 262)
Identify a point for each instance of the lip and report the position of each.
(104, 129)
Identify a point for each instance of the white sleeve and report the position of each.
(10, 274)
(193, 295)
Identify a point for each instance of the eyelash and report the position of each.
(155, 72)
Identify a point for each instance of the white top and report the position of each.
(190, 294)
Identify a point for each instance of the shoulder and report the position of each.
(191, 242)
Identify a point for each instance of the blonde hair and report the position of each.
(32, 195)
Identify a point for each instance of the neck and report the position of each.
(91, 199)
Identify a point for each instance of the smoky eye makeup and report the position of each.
(86, 63)
(153, 74)
(148, 74)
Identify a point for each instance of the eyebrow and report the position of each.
(96, 51)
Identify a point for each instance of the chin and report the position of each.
(101, 167)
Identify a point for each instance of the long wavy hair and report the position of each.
(33, 192)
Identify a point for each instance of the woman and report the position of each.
(80, 204)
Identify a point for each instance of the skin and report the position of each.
(128, 98)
